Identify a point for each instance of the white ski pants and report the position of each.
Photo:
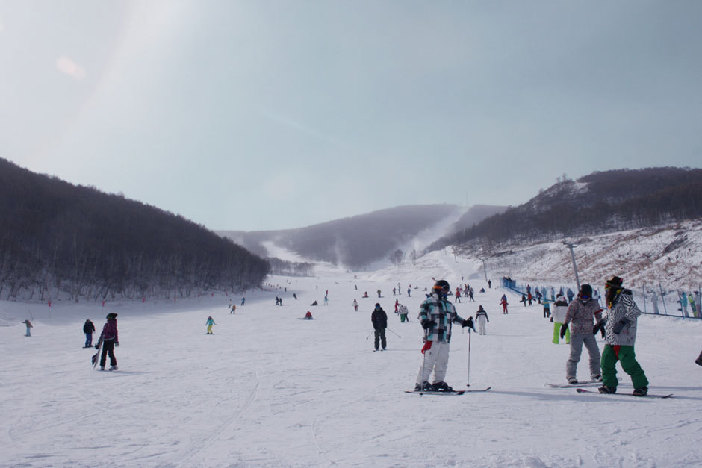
(436, 359)
(481, 324)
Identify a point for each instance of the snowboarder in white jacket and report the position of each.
(559, 309)
(437, 316)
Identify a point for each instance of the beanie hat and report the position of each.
(586, 290)
(614, 282)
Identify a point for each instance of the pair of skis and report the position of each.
(579, 387)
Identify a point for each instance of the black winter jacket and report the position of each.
(379, 318)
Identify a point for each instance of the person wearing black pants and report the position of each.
(109, 339)
(380, 322)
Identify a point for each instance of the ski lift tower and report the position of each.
(572, 257)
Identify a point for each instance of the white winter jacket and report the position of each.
(559, 310)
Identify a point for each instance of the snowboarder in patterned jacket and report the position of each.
(437, 316)
(109, 339)
(582, 314)
(481, 316)
(622, 316)
(380, 322)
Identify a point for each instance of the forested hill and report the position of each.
(597, 203)
(60, 239)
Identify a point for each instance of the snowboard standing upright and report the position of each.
(96, 356)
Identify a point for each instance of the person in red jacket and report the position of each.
(109, 339)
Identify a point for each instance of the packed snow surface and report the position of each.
(270, 389)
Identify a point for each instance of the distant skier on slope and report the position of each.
(559, 309)
(403, 313)
(481, 316)
(210, 322)
(504, 304)
(380, 322)
(29, 327)
(88, 329)
(437, 316)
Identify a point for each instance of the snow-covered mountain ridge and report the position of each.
(670, 255)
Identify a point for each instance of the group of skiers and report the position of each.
(577, 321)
(585, 317)
(583, 314)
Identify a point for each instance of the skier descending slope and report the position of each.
(437, 316)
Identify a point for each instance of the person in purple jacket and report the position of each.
(109, 339)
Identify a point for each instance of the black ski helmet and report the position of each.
(442, 286)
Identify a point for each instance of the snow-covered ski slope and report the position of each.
(270, 390)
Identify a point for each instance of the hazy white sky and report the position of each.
(249, 115)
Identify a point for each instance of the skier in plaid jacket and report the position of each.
(437, 316)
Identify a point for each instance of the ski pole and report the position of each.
(369, 335)
(394, 333)
(468, 385)
(424, 361)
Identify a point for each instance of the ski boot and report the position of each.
(572, 380)
(441, 387)
(642, 391)
(113, 368)
(423, 387)
(606, 389)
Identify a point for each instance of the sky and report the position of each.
(261, 115)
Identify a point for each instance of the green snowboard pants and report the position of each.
(627, 356)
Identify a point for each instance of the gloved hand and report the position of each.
(467, 322)
(564, 329)
(97, 346)
(427, 324)
(117, 343)
(600, 325)
(551, 319)
(619, 326)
